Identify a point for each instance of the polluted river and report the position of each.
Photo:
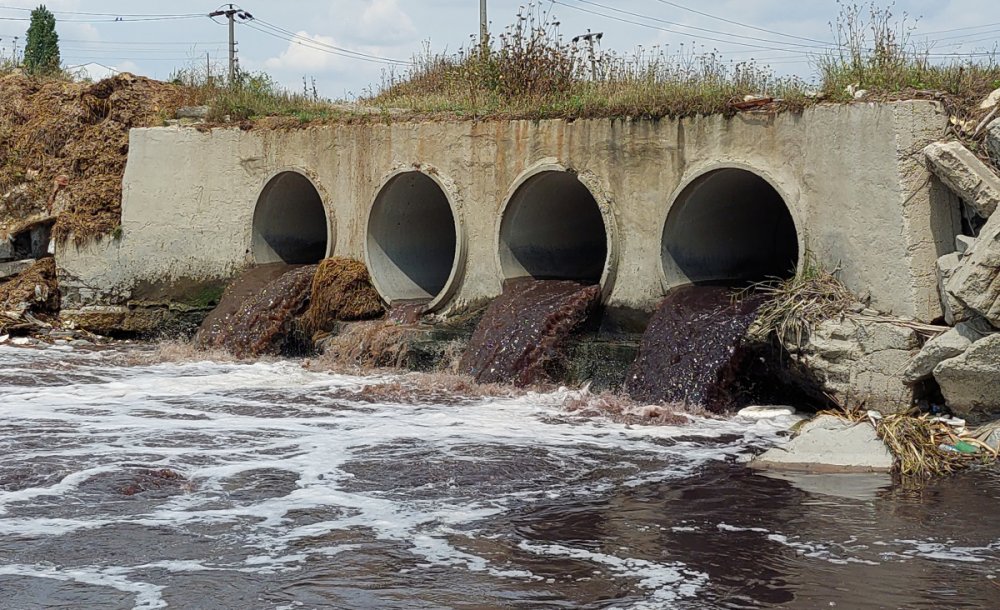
(134, 477)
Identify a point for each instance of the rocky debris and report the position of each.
(829, 444)
(991, 100)
(963, 172)
(951, 344)
(954, 310)
(970, 382)
(192, 112)
(858, 360)
(974, 283)
(992, 141)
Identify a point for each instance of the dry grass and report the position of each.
(794, 306)
(341, 291)
(532, 72)
(918, 443)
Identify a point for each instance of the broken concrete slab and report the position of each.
(961, 171)
(829, 444)
(954, 309)
(952, 343)
(973, 282)
(11, 268)
(970, 382)
(964, 243)
(992, 141)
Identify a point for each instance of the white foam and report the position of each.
(215, 422)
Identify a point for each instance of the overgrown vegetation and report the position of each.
(254, 96)
(532, 72)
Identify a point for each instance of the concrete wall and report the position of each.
(850, 175)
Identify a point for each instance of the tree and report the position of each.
(41, 50)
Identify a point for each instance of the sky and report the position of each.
(347, 48)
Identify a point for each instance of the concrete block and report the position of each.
(6, 249)
(954, 310)
(943, 347)
(966, 175)
(974, 282)
(12, 268)
(964, 243)
(971, 382)
(830, 444)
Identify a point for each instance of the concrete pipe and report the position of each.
(729, 225)
(289, 223)
(552, 228)
(412, 240)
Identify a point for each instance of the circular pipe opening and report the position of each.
(412, 239)
(729, 226)
(289, 222)
(552, 228)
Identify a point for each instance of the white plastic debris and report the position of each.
(765, 412)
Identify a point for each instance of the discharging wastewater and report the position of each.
(269, 485)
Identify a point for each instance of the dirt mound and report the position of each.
(65, 143)
(33, 290)
(341, 290)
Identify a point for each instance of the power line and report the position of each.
(288, 35)
(743, 25)
(823, 45)
(672, 31)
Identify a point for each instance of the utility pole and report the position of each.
(590, 38)
(484, 28)
(232, 13)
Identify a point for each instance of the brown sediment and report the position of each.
(523, 329)
(693, 351)
(341, 291)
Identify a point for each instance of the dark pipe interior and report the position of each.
(730, 225)
(289, 222)
(412, 238)
(553, 229)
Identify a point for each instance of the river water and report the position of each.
(270, 485)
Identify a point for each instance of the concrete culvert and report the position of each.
(729, 225)
(289, 222)
(552, 228)
(412, 239)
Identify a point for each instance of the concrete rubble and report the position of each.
(970, 382)
(992, 141)
(949, 345)
(860, 360)
(973, 281)
(961, 171)
(829, 444)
